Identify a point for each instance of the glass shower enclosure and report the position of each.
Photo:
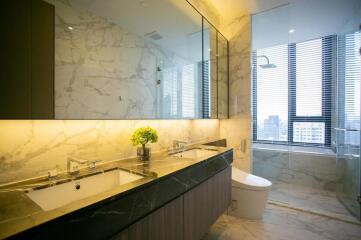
(348, 130)
(306, 105)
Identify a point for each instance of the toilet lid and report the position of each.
(246, 180)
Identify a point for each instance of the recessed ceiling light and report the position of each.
(291, 30)
(70, 28)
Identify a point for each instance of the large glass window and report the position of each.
(292, 87)
(309, 78)
(272, 93)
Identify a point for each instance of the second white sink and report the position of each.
(195, 153)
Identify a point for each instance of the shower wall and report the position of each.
(316, 170)
(348, 169)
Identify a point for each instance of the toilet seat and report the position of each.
(248, 181)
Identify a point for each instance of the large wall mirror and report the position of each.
(144, 59)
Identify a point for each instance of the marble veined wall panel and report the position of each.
(30, 148)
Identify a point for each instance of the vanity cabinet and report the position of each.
(189, 216)
(205, 203)
(27, 59)
(165, 223)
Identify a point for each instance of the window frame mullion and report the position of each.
(254, 95)
(291, 90)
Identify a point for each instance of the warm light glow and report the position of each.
(35, 146)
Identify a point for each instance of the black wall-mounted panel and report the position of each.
(26, 59)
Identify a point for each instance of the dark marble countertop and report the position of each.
(18, 212)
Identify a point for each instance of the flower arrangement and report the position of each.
(142, 136)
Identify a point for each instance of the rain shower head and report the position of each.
(268, 65)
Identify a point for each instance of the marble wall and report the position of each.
(237, 129)
(30, 148)
(103, 71)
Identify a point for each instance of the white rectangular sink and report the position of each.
(195, 153)
(62, 194)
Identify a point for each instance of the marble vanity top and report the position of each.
(18, 212)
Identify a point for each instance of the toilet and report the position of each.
(249, 195)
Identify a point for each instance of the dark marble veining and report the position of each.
(107, 213)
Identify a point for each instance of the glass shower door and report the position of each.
(348, 131)
(348, 170)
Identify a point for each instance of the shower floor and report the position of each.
(311, 199)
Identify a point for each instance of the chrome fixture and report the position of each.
(52, 173)
(179, 145)
(73, 164)
(268, 64)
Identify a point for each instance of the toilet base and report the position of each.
(248, 204)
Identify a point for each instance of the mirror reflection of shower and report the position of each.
(268, 64)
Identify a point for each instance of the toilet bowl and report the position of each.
(249, 195)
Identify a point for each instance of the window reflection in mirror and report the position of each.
(210, 105)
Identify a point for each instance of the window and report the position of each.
(206, 89)
(309, 78)
(170, 92)
(188, 91)
(349, 74)
(272, 109)
(292, 86)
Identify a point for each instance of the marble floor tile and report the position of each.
(308, 198)
(281, 223)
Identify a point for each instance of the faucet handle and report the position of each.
(179, 144)
(77, 160)
(53, 173)
(92, 163)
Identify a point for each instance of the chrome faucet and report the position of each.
(179, 145)
(73, 164)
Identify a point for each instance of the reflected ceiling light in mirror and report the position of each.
(70, 28)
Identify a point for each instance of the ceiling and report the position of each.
(230, 9)
(179, 26)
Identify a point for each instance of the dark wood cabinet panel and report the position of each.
(15, 84)
(26, 60)
(187, 217)
(205, 203)
(164, 224)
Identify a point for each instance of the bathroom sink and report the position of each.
(59, 195)
(195, 153)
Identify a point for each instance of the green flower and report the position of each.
(144, 135)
